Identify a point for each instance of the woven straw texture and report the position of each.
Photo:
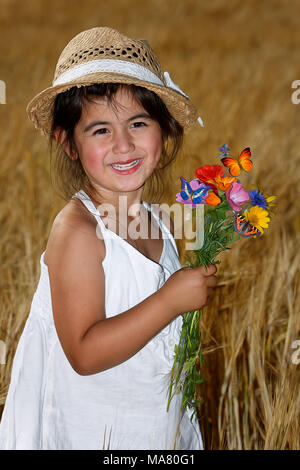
(106, 43)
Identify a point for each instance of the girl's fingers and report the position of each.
(211, 269)
(212, 281)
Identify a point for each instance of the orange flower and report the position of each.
(224, 183)
(212, 199)
(207, 174)
(213, 175)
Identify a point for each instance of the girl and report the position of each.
(92, 366)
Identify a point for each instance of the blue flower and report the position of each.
(225, 151)
(258, 199)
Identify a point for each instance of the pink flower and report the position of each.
(236, 196)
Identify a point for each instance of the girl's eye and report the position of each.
(139, 124)
(100, 131)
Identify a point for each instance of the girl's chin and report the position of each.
(120, 186)
(128, 188)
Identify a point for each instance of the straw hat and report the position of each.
(103, 54)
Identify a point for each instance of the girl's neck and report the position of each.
(128, 204)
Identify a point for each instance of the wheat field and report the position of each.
(237, 61)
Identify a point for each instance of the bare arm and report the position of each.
(112, 341)
(93, 343)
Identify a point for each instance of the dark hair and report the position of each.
(69, 174)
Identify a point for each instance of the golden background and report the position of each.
(236, 60)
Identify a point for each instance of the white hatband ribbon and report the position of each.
(118, 66)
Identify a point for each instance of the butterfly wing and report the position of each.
(244, 159)
(238, 223)
(232, 164)
(199, 194)
(244, 228)
(186, 189)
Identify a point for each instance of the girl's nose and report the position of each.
(123, 142)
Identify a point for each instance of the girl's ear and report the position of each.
(60, 136)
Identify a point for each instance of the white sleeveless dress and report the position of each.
(50, 406)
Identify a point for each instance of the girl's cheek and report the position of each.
(94, 161)
(93, 156)
(158, 150)
(155, 143)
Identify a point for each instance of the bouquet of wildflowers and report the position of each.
(230, 212)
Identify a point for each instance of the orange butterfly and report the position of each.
(243, 162)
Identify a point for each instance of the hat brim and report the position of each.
(40, 108)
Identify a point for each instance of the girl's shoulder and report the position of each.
(74, 220)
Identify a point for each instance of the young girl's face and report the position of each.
(125, 135)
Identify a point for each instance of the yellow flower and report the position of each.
(269, 200)
(258, 217)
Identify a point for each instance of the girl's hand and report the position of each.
(190, 289)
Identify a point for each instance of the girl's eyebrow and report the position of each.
(99, 123)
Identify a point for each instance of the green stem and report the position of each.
(218, 234)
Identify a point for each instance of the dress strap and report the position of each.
(82, 195)
(154, 209)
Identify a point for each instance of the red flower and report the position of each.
(208, 173)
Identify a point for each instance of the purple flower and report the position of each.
(236, 196)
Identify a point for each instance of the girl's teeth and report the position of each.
(126, 167)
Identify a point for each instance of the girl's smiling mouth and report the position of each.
(126, 168)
